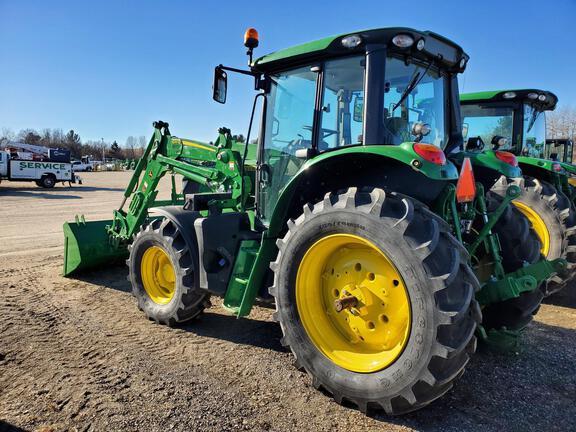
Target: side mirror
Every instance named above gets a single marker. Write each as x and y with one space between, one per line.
475 143
499 141
465 129
358 108
220 85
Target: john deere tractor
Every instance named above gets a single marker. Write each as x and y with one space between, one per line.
346 215
514 121
559 149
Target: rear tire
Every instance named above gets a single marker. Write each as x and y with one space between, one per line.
557 215
168 295
435 274
520 245
47 181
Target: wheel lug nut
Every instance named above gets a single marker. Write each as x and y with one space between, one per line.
345 303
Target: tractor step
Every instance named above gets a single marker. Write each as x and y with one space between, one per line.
245 259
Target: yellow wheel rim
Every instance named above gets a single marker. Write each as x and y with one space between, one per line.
373 326
572 181
538 225
158 276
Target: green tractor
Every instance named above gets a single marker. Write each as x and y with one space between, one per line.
346 215
514 121
559 149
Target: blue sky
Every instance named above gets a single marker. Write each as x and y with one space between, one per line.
109 68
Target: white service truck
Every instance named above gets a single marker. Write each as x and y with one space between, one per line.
86 164
44 173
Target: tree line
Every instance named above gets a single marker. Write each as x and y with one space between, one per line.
561 123
133 148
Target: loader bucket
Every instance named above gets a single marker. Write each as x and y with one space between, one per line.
87 246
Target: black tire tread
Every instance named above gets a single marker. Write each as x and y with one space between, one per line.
520 245
192 301
445 261
536 190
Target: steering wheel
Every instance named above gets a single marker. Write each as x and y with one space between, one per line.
325 132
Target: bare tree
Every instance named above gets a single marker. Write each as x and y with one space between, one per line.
561 123
131 144
142 142
29 136
6 136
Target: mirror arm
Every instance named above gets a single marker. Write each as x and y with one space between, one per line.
240 71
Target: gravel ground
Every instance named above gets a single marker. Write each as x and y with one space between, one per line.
76 354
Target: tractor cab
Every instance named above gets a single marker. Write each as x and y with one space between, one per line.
559 149
348 93
512 120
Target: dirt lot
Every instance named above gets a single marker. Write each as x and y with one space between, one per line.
76 354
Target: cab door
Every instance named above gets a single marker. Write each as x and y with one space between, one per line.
288 126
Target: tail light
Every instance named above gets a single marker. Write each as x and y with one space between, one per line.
556 167
431 153
507 157
466 186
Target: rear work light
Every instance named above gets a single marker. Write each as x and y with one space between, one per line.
507 157
431 153
466 186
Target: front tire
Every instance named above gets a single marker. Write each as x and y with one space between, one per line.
385 244
162 271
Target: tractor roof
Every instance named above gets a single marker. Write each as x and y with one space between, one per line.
558 141
523 95
435 47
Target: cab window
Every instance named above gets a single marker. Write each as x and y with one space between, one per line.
342 103
289 120
488 122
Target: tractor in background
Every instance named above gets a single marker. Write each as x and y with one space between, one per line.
514 121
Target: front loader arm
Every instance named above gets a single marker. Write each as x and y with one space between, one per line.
215 166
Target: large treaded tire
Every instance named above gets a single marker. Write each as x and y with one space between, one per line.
440 285
559 216
520 245
188 301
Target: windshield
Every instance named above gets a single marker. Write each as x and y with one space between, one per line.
534 133
487 122
423 104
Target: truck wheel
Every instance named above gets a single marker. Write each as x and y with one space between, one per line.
520 245
47 181
376 300
552 218
163 274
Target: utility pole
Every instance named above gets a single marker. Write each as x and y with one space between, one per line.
103 152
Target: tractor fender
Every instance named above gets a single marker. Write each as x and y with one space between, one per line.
213 241
487 167
184 221
487 159
396 168
541 168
